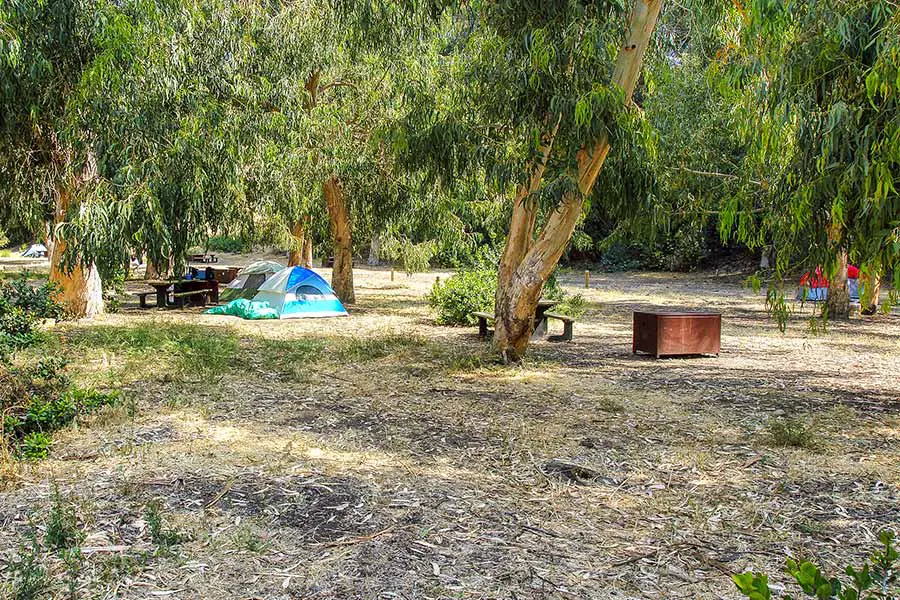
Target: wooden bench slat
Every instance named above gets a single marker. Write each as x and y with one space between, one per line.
568 324
484 315
563 318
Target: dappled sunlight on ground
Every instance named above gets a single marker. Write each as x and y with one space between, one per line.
382 456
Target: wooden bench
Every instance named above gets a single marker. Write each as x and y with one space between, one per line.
483 319
201 296
204 258
142 297
568 325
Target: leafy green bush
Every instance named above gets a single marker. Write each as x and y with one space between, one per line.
35 446
37 300
473 290
574 306
225 243
457 297
876 580
22 307
37 399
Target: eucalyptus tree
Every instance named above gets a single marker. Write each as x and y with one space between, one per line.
589 79
819 88
188 131
47 50
535 95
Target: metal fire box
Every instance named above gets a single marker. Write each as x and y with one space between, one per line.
676 333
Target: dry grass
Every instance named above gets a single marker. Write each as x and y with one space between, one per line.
384 457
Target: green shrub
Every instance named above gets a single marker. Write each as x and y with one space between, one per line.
574 306
876 580
63 532
791 432
18 327
457 297
37 399
37 300
25 576
225 243
22 307
35 446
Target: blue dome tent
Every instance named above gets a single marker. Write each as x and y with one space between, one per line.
297 293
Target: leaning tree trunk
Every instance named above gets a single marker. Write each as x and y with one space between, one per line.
838 303
295 258
80 288
339 215
528 262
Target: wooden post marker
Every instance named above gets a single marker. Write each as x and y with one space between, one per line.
392 272
587 280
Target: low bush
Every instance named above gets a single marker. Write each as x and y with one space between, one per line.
37 399
792 432
878 579
225 243
574 306
457 297
22 308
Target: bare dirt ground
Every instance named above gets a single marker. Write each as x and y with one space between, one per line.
382 456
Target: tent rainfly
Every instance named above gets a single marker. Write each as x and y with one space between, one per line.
296 293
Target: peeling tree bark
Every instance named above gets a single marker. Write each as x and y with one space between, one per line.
871 293
527 263
80 288
339 215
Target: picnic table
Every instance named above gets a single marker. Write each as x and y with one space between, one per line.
181 289
204 258
541 317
